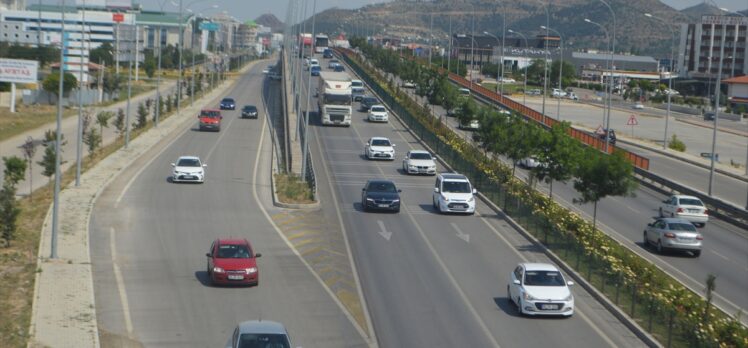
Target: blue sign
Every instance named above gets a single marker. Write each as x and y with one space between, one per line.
209 26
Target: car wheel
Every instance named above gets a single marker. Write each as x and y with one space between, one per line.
660 248
433 202
696 253
645 239
661 214
519 307
363 206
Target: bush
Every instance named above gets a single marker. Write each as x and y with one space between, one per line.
291 189
676 144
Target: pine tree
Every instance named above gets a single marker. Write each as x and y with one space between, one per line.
119 122
142 120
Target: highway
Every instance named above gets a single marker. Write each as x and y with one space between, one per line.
435 280
725 253
149 238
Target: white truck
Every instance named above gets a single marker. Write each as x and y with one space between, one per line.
334 98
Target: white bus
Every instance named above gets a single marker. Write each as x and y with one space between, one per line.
321 43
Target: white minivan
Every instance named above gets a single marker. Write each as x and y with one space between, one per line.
453 193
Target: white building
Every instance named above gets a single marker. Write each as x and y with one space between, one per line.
700 44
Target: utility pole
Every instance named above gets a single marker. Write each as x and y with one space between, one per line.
79 142
58 140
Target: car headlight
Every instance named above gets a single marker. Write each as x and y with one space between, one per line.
251 270
396 201
218 270
527 296
472 199
569 298
412 166
369 199
445 198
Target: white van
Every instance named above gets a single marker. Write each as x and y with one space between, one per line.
453 193
464 92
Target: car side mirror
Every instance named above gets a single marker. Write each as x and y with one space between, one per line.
436 189
363 189
205 165
399 190
208 255
258 255
650 224
367 144
475 191
173 165
393 145
570 283
516 282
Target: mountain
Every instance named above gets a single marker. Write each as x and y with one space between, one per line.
695 12
271 21
411 19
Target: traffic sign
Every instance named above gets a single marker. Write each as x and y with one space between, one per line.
632 121
118 17
600 130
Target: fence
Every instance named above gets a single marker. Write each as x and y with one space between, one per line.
671 327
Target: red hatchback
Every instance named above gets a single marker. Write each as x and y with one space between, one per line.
232 261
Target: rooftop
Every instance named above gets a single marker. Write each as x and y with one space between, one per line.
738 80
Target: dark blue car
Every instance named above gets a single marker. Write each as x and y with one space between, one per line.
228 104
327 53
338 67
314 70
380 195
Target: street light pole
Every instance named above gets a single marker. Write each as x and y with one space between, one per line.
306 113
602 75
670 78
545 55
58 139
612 79
181 46
717 92
560 71
497 66
79 142
472 48
524 88
503 34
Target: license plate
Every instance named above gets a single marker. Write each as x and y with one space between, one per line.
383 205
236 277
549 306
693 210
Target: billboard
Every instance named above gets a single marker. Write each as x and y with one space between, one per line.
18 70
209 26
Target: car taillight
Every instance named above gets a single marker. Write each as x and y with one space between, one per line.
669 235
699 237
680 210
706 212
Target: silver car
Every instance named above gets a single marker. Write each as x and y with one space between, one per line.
259 334
673 234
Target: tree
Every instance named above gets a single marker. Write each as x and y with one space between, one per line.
52 83
8 212
519 140
112 82
142 120
168 103
29 150
102 119
599 175
569 74
103 54
149 65
48 162
536 71
15 169
558 154
119 122
92 139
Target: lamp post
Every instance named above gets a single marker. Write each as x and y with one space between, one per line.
79 142
606 119
545 55
670 78
560 70
58 136
306 114
524 88
612 69
431 36
181 47
472 47
717 92
503 35
449 54
158 77
498 73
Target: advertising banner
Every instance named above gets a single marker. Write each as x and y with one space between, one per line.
18 70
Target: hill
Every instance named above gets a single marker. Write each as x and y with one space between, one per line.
271 21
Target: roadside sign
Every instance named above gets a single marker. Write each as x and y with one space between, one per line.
18 70
118 17
600 130
209 26
632 121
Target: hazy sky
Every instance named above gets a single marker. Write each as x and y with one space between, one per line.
251 9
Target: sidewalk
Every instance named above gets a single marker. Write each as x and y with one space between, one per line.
64 312
11 146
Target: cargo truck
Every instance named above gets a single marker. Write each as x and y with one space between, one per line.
334 98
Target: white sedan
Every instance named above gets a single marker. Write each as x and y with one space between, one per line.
419 162
540 289
685 207
188 169
529 163
378 113
379 148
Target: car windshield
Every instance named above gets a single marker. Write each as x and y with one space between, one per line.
333 61
378 109
233 251
228 100
357 83
690 201
420 156
207 113
250 108
380 142
337 99
188 162
263 341
681 226
381 186
544 278
456 186
359 90
370 100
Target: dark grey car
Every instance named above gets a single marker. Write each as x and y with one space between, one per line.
367 101
380 195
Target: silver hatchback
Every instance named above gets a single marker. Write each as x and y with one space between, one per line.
259 334
673 233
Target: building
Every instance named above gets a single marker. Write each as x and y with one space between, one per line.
487 49
595 66
12 4
700 45
737 92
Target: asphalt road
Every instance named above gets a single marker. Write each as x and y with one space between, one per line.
725 252
149 238
435 280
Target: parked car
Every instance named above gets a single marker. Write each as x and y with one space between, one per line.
409 84
557 93
469 125
367 101
232 261
453 193
507 80
188 169
209 119
534 92
529 163
540 289
227 104
259 334
380 195
249 111
673 234
685 207
638 106
379 148
611 133
572 96
419 162
378 113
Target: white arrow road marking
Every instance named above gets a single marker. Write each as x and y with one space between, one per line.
462 235
384 233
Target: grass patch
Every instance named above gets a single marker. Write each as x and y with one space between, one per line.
510 88
28 117
291 189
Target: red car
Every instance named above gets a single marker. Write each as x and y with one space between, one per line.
232 261
210 119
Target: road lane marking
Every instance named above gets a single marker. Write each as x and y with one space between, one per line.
383 231
371 338
720 255
460 234
120 284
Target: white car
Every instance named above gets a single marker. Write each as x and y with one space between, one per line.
540 289
469 125
529 163
685 207
188 169
379 148
572 96
378 113
507 80
419 162
409 84
557 93
453 193
638 106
